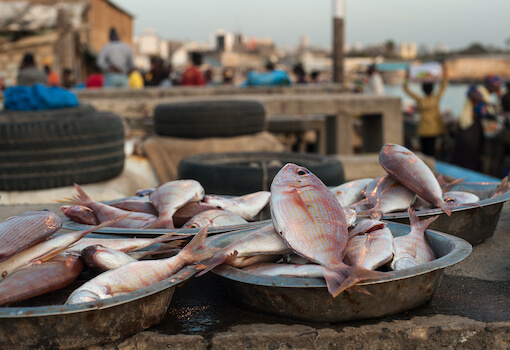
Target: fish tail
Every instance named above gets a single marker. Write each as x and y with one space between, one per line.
447 208
333 280
81 193
415 221
356 274
74 200
216 261
195 250
161 222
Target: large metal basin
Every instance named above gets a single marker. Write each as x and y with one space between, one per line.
474 223
308 299
29 326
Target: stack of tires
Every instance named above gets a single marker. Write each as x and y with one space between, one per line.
200 119
54 148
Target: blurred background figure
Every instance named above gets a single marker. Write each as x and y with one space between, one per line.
29 74
95 80
315 77
374 82
300 73
228 76
52 75
157 75
192 76
135 79
208 76
68 80
505 100
431 124
115 60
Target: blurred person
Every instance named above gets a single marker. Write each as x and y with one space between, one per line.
95 80
157 74
29 74
300 73
68 80
208 76
116 61
315 77
192 76
469 143
228 76
431 124
135 79
374 81
505 100
53 78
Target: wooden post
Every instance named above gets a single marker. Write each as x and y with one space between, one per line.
338 41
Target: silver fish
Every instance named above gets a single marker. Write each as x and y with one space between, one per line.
412 249
214 218
350 192
247 206
171 196
371 250
408 169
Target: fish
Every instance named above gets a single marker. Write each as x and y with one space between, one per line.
350 216
125 245
40 278
214 218
144 192
46 249
141 274
80 214
333 279
350 192
371 250
455 198
247 206
25 230
139 204
264 241
312 222
104 258
410 171
105 212
503 187
387 195
170 197
412 249
184 214
362 205
366 225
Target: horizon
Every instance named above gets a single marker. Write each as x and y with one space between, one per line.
451 23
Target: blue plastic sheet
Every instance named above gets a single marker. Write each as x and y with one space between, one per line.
38 97
277 77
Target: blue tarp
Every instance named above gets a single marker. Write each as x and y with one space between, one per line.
274 78
458 172
38 97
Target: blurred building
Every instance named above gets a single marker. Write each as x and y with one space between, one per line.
408 51
69 33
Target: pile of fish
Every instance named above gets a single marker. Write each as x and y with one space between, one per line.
175 204
409 182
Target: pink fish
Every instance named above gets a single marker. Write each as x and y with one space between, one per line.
171 196
214 218
140 204
247 206
185 213
312 222
106 213
412 249
408 169
80 214
371 250
25 230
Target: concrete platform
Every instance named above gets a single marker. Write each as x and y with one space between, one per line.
471 310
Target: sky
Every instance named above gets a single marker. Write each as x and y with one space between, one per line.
456 23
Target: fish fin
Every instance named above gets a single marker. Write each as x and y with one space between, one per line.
448 186
333 280
360 290
355 275
447 208
161 222
415 221
81 193
218 260
503 187
374 212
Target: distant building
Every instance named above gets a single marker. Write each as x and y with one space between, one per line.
408 51
68 33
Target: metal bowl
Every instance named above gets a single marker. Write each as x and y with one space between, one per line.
474 223
308 299
86 324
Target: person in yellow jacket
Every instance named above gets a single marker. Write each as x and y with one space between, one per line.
135 79
431 124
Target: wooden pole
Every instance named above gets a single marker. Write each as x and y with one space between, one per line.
338 40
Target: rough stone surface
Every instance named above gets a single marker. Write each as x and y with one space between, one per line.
153 340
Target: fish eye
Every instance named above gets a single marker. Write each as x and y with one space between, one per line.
193 226
302 172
